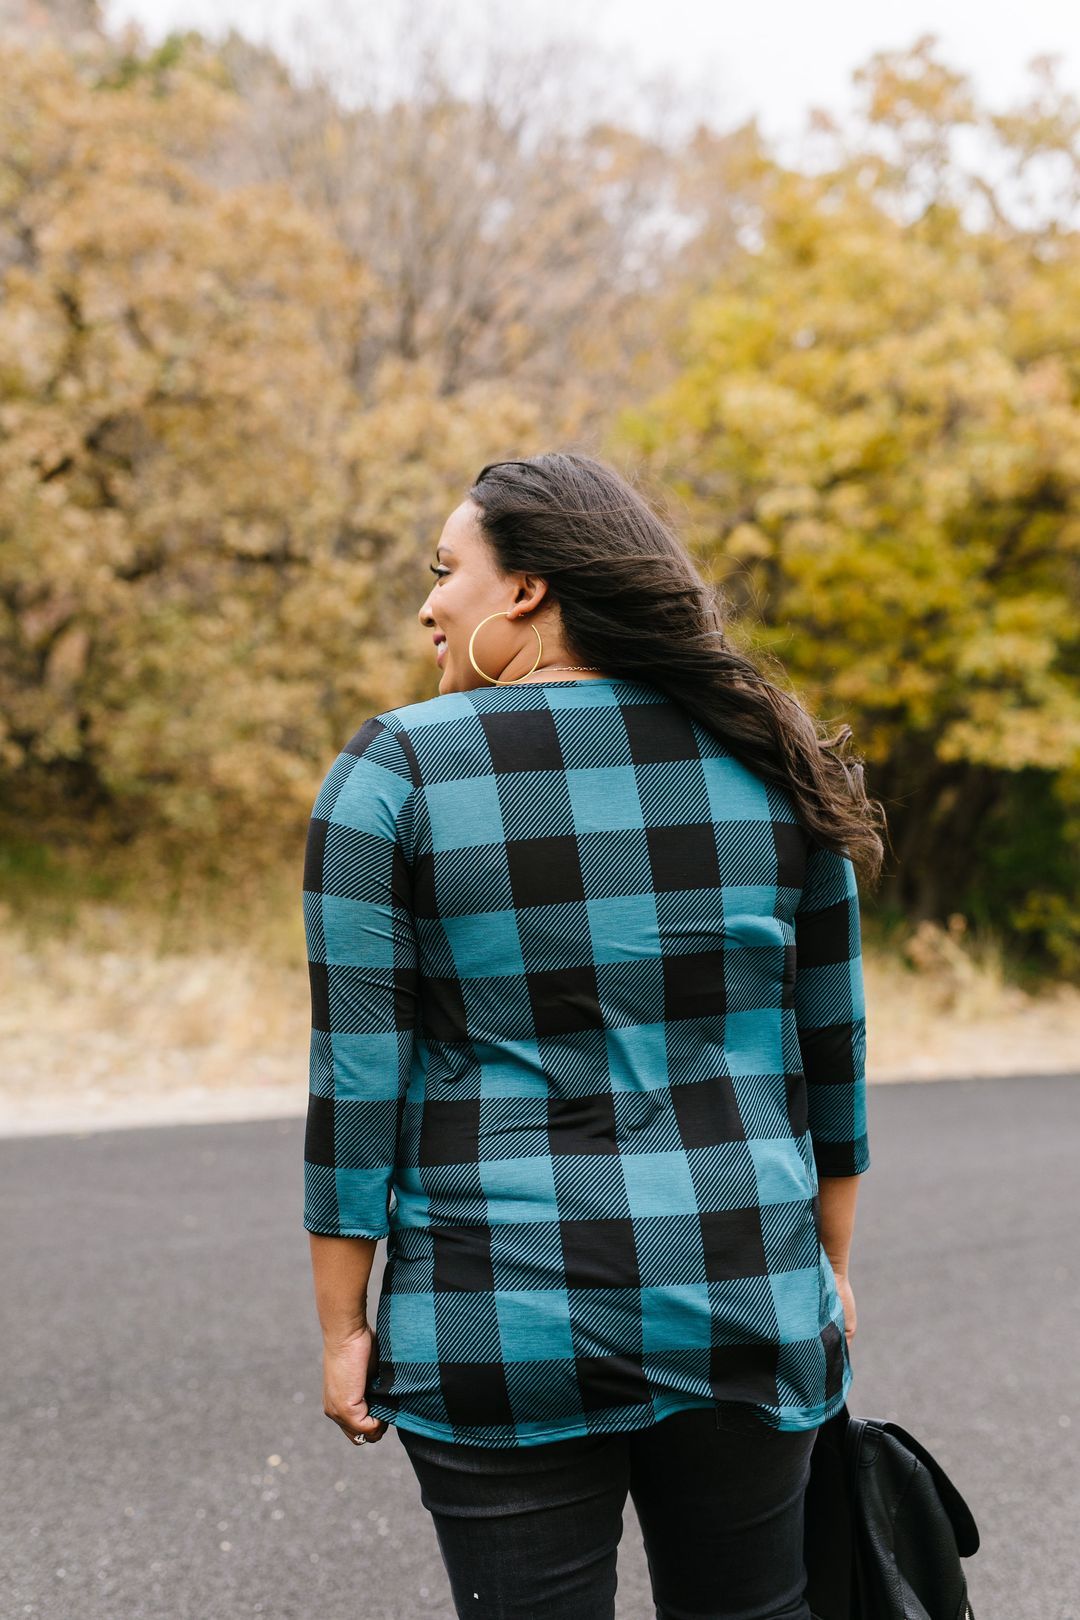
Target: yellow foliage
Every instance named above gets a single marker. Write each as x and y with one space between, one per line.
211 546
234 415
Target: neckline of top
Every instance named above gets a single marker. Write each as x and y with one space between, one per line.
598 680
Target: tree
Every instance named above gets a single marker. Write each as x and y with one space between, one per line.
876 433
209 545
512 229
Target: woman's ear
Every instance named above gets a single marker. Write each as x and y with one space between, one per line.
532 589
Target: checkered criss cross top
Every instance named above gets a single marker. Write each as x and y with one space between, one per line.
587 1025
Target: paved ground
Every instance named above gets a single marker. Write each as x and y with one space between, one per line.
164 1449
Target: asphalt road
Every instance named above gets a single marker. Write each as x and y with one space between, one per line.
164 1448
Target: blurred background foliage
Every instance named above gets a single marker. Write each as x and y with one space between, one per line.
256 339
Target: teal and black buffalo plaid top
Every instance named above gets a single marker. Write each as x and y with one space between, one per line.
587 1024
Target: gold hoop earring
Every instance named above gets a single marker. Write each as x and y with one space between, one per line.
495 680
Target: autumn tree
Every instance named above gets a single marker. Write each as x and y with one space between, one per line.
200 528
258 331
513 229
875 432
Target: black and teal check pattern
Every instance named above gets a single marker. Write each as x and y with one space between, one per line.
587 1025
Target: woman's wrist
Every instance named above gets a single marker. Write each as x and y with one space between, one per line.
338 1333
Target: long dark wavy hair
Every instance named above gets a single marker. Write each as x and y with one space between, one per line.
634 603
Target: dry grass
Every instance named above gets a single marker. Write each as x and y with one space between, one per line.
942 1005
124 1021
112 1019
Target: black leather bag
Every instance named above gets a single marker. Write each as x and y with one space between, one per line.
885 1527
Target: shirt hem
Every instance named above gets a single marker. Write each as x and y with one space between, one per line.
349 1231
812 1418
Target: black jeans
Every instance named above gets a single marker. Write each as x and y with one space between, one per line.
532 1532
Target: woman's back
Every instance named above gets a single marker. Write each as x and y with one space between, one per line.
587 1024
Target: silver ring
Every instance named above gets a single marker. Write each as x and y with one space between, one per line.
359 1439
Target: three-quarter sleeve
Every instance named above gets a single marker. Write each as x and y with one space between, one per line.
830 1012
362 963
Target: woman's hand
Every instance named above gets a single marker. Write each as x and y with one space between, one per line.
847 1299
345 1375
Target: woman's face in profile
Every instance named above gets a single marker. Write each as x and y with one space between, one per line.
468 587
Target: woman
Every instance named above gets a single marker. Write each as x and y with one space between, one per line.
588 1051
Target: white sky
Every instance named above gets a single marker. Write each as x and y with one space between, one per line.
775 58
